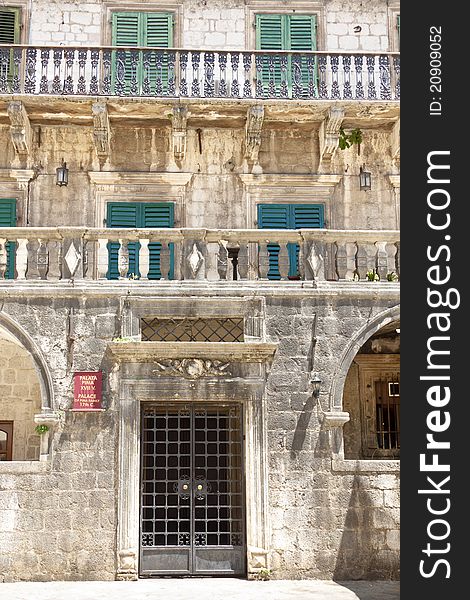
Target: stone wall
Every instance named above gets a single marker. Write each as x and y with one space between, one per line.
213 24
325 523
215 173
20 398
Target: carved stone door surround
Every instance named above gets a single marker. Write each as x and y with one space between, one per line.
189 371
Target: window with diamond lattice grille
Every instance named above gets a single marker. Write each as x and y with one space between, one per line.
192 330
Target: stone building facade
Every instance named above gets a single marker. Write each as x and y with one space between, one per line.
218 257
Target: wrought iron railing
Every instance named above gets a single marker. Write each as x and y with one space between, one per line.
64 253
180 73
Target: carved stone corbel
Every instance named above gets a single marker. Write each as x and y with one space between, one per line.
179 131
329 134
395 142
254 125
20 128
101 129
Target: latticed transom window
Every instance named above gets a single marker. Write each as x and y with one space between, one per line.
192 330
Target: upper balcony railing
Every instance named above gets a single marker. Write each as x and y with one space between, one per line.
65 253
180 73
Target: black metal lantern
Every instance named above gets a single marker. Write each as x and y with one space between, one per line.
315 382
62 174
364 179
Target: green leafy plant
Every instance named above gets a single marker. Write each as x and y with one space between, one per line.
372 275
346 140
133 276
41 429
263 575
123 340
392 276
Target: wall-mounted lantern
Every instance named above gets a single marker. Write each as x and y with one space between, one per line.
364 179
62 174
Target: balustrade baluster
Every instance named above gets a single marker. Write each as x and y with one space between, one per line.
144 259
195 61
95 58
323 92
358 62
165 260
396 65
209 59
43 260
171 92
68 80
16 71
242 261
3 257
283 260
102 258
263 260
106 88
235 61
159 74
223 88
284 89
57 60
4 68
371 91
382 260
385 86
183 74
347 89
30 71
312 76
33 271
120 73
54 271
123 259
43 85
223 262
21 259
134 87
247 91
334 64
82 58
297 84
391 251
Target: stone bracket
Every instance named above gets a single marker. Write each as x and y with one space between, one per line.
20 128
101 128
254 125
395 141
51 419
329 134
332 419
179 131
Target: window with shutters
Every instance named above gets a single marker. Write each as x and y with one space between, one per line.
288 32
142 215
144 72
288 216
10 23
8 219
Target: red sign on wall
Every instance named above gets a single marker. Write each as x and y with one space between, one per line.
87 386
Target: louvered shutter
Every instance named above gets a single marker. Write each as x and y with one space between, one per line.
158 215
288 216
126 31
273 216
8 219
121 215
158 33
301 34
270 36
9 25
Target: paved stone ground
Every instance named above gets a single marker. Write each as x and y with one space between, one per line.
209 589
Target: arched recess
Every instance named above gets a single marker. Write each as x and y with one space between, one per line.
339 378
16 333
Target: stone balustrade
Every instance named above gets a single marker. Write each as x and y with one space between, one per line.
65 253
180 73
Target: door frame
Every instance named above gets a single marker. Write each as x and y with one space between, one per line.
134 380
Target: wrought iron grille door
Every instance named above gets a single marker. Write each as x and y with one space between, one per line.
192 499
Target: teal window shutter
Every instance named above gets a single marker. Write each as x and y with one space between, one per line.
285 32
8 219
158 215
142 215
288 216
143 29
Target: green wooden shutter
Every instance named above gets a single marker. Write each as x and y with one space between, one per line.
158 33
288 216
120 215
132 214
8 219
9 25
126 31
301 33
158 215
270 35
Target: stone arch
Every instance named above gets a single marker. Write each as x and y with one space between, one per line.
18 335
371 327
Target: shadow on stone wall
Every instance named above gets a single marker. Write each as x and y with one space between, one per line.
364 551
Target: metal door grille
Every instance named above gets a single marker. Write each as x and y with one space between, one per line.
387 412
192 330
192 508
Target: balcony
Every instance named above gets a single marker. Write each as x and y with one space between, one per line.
162 73
52 254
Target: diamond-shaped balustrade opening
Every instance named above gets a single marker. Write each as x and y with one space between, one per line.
192 330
